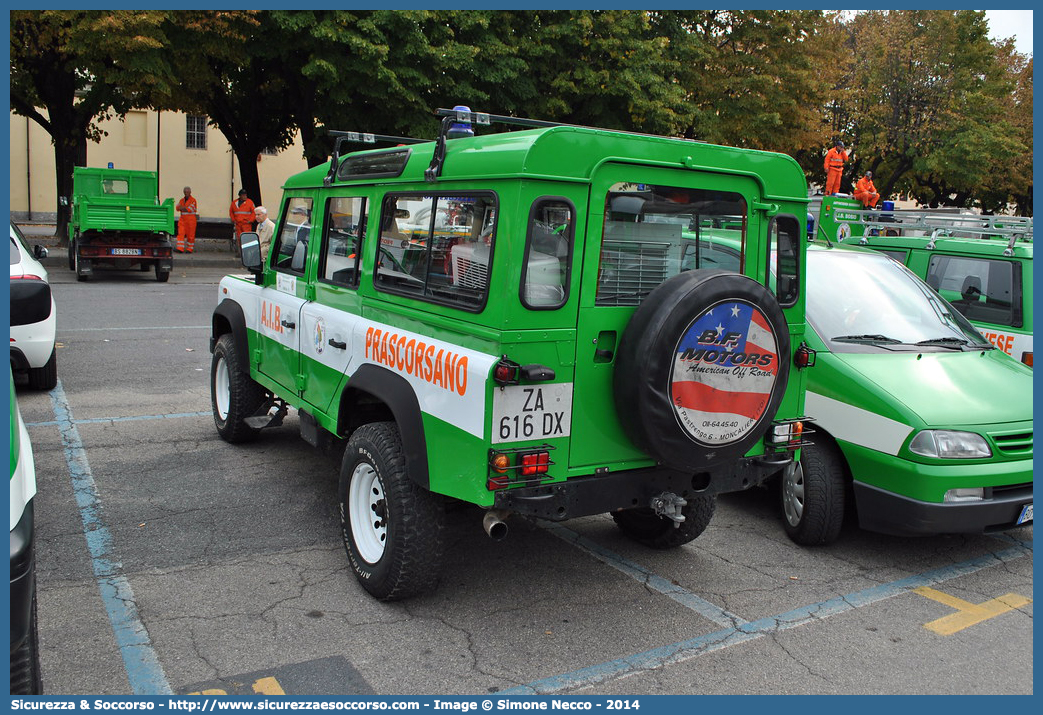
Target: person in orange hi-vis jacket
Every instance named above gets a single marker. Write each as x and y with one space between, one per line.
866 192
242 213
834 166
188 207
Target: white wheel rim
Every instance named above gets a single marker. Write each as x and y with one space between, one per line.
367 511
222 389
793 495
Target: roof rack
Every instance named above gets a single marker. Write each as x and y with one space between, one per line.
360 138
942 225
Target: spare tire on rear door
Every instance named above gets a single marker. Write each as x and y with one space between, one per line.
701 369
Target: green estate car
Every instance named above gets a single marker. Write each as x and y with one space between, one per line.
923 420
25 651
982 265
533 322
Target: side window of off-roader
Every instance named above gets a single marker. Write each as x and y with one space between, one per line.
783 262
291 248
344 227
653 232
983 289
437 248
548 254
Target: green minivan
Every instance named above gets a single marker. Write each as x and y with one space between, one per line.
918 417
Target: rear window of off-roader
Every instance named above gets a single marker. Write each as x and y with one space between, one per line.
653 232
437 248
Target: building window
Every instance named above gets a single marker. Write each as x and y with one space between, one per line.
195 131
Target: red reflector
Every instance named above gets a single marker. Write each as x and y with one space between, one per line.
495 483
502 373
1027 358
535 463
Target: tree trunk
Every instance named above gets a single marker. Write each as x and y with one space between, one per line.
250 178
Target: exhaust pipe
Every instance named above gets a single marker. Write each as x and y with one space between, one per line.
494 524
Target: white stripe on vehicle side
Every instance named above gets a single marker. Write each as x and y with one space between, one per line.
466 411
855 425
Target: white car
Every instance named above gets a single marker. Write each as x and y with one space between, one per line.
32 315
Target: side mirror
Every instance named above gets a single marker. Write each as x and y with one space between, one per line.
250 250
39 252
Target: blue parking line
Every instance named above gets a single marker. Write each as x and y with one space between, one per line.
719 640
134 418
144 671
642 575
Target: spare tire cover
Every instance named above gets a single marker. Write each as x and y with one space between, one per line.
701 369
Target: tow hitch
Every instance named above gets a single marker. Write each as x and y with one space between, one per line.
669 505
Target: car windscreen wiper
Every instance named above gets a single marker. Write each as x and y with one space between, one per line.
871 339
946 342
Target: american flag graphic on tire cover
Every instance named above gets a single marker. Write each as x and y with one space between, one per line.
725 367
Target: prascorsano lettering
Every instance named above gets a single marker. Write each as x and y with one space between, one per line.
430 363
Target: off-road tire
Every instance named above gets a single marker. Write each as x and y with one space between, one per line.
234 395
46 377
646 527
644 377
812 497
25 660
397 551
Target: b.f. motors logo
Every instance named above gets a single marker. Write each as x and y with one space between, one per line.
724 371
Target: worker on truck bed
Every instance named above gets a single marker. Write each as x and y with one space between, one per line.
834 166
188 207
242 213
866 192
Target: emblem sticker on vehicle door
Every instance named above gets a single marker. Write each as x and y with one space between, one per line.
724 371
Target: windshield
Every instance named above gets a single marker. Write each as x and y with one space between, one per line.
866 301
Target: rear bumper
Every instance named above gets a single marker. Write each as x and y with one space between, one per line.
890 513
601 493
22 582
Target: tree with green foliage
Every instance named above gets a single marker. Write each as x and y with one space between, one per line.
71 70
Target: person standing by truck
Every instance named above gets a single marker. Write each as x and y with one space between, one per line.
265 230
865 191
242 213
834 166
188 208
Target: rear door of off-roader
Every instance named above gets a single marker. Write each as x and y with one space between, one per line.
645 225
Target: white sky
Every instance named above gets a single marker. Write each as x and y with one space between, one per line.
1012 23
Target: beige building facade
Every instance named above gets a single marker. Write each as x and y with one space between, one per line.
181 148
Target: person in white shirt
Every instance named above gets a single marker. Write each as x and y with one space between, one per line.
265 230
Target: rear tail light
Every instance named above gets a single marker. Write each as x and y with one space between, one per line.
1026 358
26 277
514 467
789 435
535 463
805 356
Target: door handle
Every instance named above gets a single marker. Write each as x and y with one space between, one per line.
338 344
288 324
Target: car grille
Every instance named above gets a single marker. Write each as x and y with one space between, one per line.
1013 444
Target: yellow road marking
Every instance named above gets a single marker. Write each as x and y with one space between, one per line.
967 613
268 686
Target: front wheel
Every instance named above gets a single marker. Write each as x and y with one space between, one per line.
812 495
234 395
646 527
394 530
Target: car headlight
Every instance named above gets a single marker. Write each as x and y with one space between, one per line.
946 444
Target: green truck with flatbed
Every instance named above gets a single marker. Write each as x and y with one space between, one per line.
118 221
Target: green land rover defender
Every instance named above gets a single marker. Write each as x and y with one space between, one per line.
531 321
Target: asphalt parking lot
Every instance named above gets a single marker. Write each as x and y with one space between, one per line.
172 562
